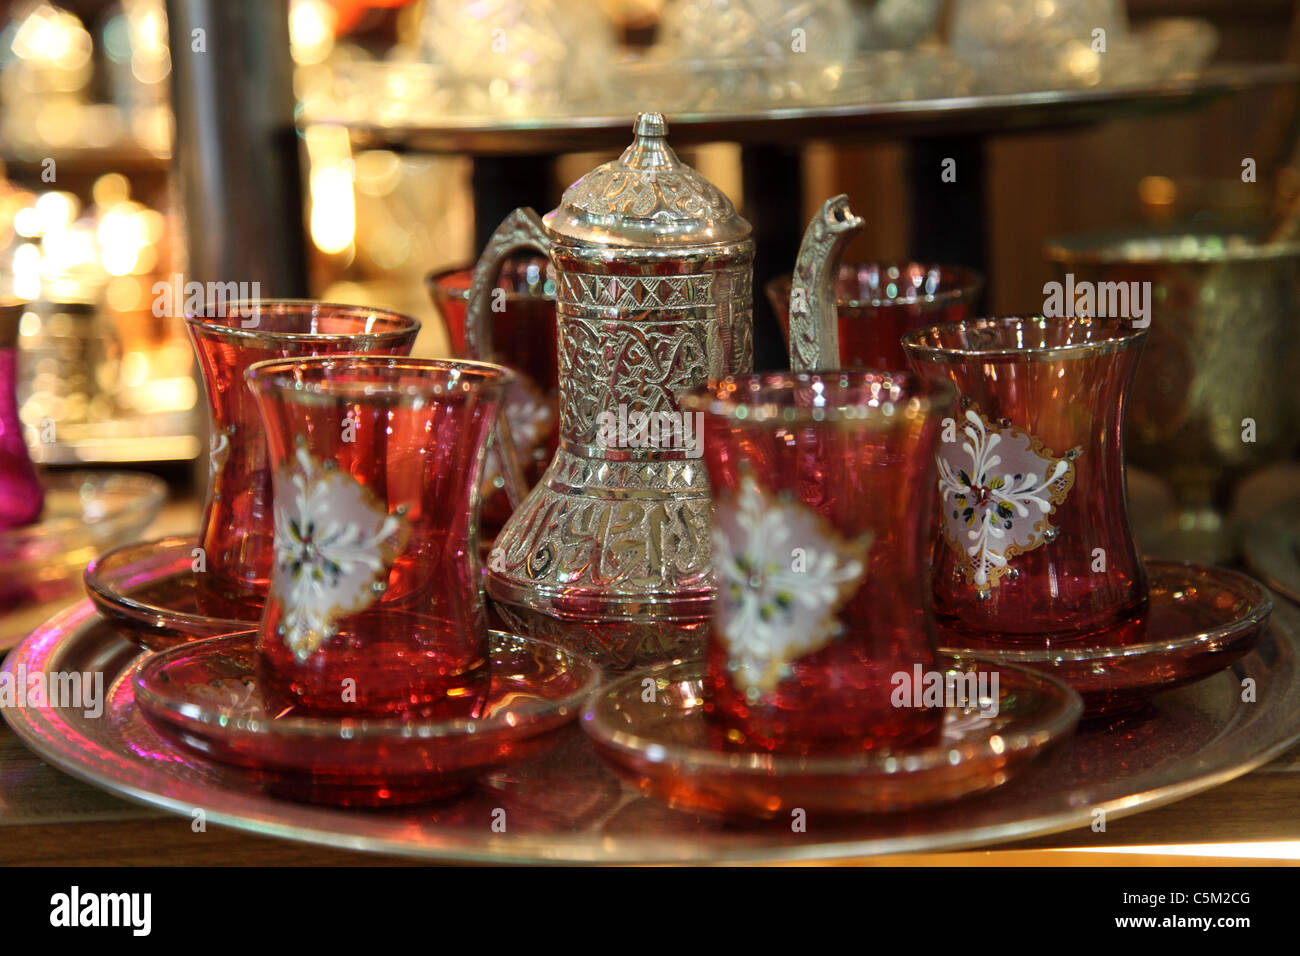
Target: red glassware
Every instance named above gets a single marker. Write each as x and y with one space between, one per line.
148 591
524 336
821 537
376 602
208 696
1197 622
666 747
878 302
236 529
21 494
1034 543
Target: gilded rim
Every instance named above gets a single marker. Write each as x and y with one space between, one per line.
919 398
438 377
916 346
405 327
435 283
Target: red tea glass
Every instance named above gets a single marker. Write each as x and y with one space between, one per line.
523 339
236 532
21 495
821 485
1034 543
376 602
878 302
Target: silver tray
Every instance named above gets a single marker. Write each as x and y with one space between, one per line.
566 806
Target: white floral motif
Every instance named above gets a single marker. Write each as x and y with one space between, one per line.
334 546
782 575
995 504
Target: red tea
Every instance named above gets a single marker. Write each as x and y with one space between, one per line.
236 529
375 603
821 486
1034 541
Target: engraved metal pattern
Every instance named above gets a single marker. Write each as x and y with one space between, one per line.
738 319
814 319
617 646
611 550
589 535
673 193
667 339
646 199
603 291
619 539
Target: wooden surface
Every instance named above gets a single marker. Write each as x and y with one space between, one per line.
48 818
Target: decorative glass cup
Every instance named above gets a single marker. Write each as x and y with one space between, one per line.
822 485
1222 351
879 301
21 494
235 532
376 594
523 340
1034 542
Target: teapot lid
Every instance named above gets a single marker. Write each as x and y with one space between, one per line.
647 198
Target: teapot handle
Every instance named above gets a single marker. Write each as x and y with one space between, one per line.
522 229
814 316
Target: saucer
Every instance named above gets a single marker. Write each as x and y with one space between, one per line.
85 512
664 747
1198 621
205 696
147 591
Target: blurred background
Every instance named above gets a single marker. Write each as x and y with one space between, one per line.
346 149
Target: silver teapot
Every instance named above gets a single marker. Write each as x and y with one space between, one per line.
610 553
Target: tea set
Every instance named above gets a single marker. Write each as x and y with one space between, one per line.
861 590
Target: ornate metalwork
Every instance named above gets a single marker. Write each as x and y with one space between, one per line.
610 553
522 229
814 320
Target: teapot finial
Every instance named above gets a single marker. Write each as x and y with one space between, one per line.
650 124
814 317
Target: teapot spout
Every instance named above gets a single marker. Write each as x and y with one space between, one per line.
814 322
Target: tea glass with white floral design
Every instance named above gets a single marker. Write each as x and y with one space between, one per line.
821 529
376 603
235 533
1034 543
